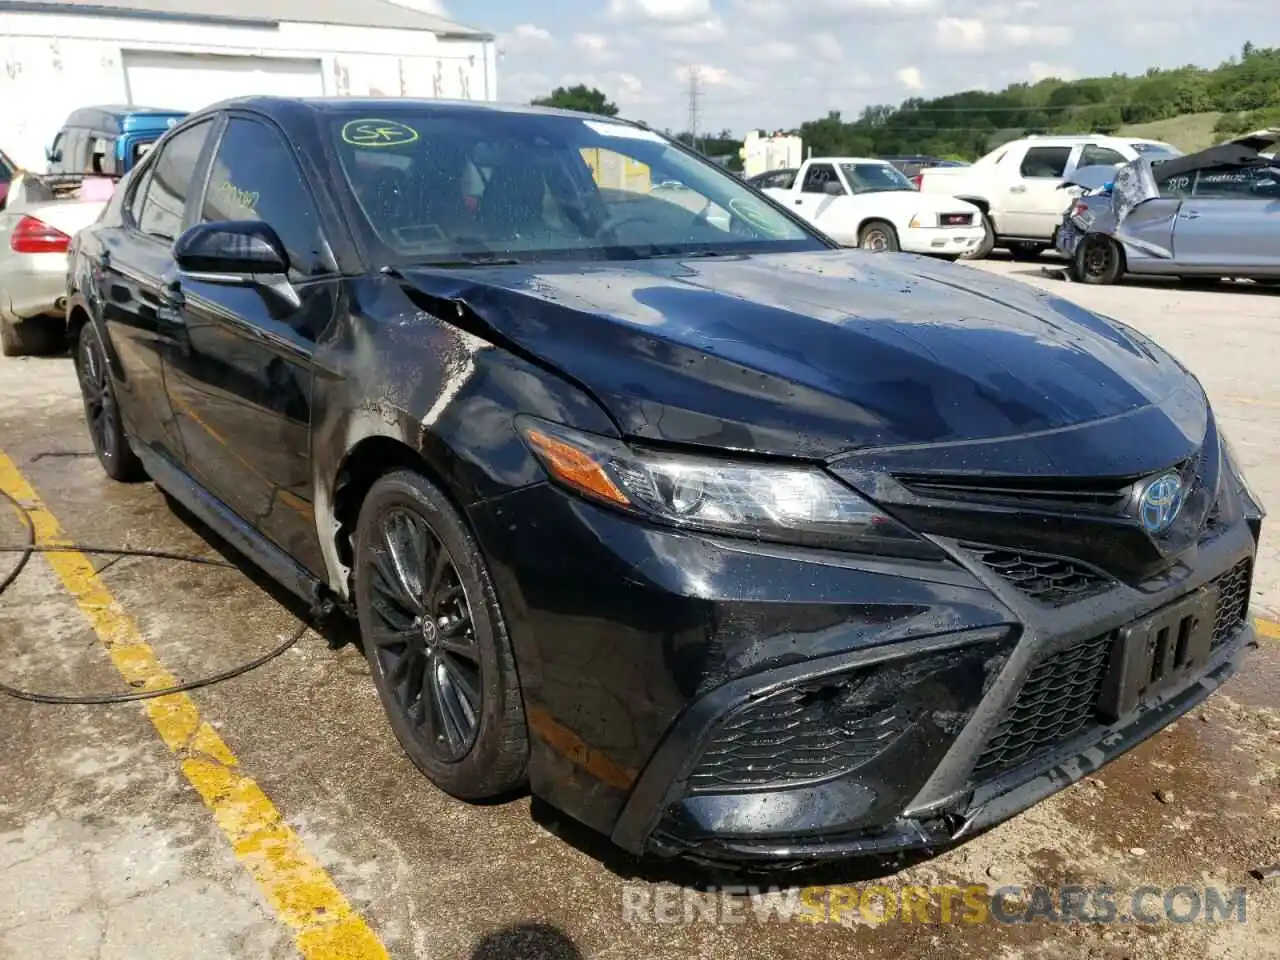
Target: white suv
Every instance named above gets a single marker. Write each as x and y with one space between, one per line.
1016 185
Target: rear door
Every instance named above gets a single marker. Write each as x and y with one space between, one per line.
138 307
241 387
1228 223
1034 205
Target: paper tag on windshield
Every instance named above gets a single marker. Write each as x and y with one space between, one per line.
623 130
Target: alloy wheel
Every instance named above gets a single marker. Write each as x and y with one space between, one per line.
423 634
100 409
1098 260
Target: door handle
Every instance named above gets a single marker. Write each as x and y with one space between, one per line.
1189 215
1018 189
799 202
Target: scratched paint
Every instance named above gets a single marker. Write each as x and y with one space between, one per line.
305 899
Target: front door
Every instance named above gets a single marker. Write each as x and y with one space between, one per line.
241 388
1228 223
136 304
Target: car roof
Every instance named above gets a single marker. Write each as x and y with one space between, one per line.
292 106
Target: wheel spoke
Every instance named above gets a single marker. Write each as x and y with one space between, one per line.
456 714
402 541
409 674
394 637
466 680
439 564
461 643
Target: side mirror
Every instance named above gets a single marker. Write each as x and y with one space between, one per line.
833 188
236 253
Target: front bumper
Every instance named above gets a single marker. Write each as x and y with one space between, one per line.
941 241
664 673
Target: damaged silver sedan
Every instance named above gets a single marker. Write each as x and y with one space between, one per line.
1206 216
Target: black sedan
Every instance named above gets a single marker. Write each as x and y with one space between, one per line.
728 542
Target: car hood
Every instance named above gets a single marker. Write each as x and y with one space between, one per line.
909 202
812 354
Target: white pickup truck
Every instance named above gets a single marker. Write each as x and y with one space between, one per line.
1016 186
867 203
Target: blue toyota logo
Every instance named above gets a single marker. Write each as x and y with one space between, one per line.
1160 502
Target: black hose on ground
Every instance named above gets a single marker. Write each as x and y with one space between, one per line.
29 549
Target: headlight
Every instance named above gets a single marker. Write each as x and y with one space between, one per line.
1233 468
923 220
762 501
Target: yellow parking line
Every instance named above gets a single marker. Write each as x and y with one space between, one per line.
1268 628
304 897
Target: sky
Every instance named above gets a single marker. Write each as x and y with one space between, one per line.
776 63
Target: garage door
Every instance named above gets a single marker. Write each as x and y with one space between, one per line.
182 81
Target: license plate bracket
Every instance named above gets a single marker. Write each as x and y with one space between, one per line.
1158 652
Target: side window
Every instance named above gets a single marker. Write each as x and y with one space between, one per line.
1047 162
57 148
1095 155
817 177
255 177
1175 187
170 182
142 179
1225 183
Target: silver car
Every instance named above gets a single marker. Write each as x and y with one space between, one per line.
1207 215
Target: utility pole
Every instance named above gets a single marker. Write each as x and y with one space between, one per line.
695 93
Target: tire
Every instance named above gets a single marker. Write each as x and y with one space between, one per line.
35 336
102 411
879 236
1027 251
985 245
481 751
1098 260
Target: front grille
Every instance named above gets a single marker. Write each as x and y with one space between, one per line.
1050 580
798 735
1233 602
1055 704
1050 494
1058 699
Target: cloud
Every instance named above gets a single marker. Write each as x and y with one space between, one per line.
1046 35
910 78
711 30
526 38
1038 70
956 33
661 11
594 46
825 46
774 51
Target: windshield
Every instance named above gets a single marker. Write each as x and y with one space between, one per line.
6 168
874 177
1156 149
442 184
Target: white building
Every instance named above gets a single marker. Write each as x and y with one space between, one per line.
761 153
59 55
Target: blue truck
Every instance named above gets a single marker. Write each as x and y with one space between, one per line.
108 140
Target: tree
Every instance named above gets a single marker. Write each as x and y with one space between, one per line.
581 98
